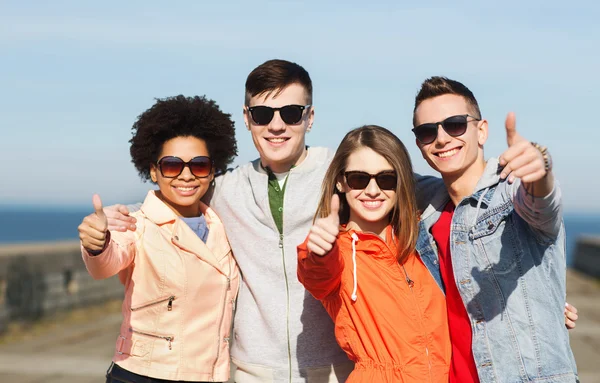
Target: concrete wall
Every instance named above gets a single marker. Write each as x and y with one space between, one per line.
587 255
40 279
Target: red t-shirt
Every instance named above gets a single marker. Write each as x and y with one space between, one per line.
462 366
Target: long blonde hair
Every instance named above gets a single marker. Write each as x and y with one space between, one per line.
404 215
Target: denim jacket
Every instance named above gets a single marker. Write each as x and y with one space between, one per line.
508 255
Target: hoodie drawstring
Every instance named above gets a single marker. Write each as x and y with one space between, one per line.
354 240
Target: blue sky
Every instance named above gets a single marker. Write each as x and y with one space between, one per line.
75 76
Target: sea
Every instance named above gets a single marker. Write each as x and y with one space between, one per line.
29 225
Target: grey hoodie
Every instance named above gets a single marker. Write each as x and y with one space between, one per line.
278 327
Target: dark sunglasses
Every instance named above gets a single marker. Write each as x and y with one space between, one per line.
454 125
358 180
290 114
171 167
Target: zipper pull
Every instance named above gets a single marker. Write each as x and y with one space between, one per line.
170 304
169 339
410 282
281 241
228 283
226 339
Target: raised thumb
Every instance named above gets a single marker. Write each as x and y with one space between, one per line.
97 202
335 207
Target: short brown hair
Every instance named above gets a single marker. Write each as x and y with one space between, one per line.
273 76
439 86
403 217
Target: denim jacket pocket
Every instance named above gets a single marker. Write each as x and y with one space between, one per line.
495 237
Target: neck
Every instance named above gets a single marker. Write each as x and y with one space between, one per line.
181 211
461 185
378 228
284 166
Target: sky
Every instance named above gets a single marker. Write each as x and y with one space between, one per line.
75 75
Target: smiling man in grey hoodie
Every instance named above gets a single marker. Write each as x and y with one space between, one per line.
281 333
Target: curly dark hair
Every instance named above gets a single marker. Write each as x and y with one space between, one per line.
181 116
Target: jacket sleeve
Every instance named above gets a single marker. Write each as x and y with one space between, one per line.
321 276
116 256
543 214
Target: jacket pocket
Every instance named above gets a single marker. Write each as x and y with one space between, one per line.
167 338
131 347
167 301
495 237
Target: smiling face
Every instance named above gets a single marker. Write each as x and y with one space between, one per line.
452 156
280 145
369 207
183 192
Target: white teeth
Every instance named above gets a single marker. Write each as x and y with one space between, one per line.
372 203
449 153
276 140
185 189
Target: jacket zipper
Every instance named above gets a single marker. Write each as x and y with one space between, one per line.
165 337
228 287
169 305
287 309
410 284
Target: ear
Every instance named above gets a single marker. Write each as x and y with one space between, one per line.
246 116
482 132
153 173
311 118
341 186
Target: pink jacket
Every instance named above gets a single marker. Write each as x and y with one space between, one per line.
179 295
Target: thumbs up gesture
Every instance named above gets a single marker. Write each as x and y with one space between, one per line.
324 232
521 159
93 228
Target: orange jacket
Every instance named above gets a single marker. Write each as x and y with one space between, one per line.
396 327
179 295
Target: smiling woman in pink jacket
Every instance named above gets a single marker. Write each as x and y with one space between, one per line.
180 277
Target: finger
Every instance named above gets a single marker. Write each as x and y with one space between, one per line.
571 316
97 202
334 216
315 249
533 177
327 234
123 209
505 171
320 243
119 212
511 128
93 244
570 324
92 230
525 169
570 307
522 159
513 151
117 221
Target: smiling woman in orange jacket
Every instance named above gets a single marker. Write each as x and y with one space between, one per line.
389 313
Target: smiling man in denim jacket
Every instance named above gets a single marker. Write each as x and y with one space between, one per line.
497 232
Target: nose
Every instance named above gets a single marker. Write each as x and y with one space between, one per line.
186 174
276 123
372 188
442 137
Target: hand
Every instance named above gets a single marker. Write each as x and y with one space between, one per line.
324 232
119 219
521 159
93 229
570 316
